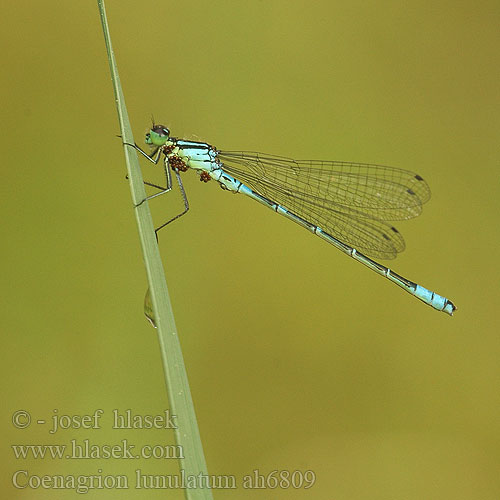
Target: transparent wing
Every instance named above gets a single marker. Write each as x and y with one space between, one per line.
351 201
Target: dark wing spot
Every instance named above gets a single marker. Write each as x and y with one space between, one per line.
419 178
409 191
394 229
385 236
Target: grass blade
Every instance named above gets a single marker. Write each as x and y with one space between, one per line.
187 434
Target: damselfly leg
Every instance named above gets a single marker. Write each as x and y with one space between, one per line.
155 158
184 198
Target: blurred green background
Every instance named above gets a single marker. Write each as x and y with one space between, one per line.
298 357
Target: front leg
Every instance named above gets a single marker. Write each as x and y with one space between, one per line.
153 158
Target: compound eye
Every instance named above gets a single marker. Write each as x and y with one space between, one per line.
165 131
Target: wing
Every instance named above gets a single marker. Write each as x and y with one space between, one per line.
351 201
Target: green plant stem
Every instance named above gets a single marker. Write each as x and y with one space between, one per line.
187 434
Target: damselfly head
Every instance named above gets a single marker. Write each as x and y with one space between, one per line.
158 135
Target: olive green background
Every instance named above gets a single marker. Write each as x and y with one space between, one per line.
298 357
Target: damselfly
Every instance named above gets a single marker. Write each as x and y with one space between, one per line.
347 204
